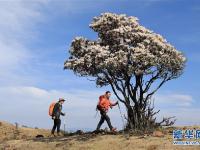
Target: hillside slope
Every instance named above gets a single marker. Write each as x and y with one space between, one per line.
25 139
9 132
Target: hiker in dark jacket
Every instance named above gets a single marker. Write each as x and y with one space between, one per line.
57 111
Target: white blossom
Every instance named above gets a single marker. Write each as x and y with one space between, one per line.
123 45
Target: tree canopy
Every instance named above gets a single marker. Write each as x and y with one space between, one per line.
123 47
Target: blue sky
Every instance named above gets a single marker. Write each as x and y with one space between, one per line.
35 36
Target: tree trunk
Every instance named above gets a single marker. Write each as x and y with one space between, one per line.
142 119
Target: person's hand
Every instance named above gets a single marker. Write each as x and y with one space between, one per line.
97 108
53 117
104 109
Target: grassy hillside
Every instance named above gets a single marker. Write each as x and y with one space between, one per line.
10 132
24 139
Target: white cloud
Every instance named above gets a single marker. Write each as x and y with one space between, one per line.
18 18
177 100
184 116
29 106
182 106
18 27
12 54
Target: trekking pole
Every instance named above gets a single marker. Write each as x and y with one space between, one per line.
96 114
126 136
65 124
121 116
64 128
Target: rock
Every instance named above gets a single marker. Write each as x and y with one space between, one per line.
39 136
106 129
152 147
80 132
185 128
158 134
24 137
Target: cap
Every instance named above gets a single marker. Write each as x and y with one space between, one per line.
61 99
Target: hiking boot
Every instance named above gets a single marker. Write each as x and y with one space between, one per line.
114 130
97 131
59 134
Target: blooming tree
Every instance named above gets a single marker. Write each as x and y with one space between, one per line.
130 58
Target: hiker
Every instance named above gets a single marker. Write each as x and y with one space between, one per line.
103 106
57 111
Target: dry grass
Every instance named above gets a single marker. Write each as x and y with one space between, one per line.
84 142
10 132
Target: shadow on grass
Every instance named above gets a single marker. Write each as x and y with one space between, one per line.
77 136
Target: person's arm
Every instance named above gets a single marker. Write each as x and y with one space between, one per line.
113 104
63 114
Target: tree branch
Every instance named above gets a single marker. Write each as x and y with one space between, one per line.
113 88
150 94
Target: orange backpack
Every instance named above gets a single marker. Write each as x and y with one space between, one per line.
51 108
98 107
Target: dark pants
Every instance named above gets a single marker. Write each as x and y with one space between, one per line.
57 123
104 117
